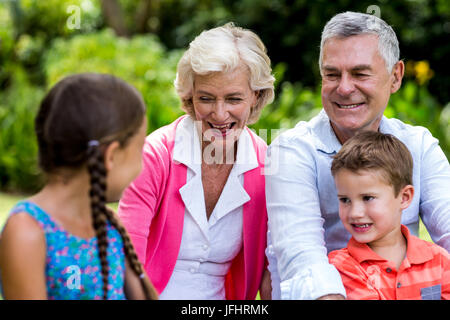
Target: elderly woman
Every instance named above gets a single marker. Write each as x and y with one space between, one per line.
196 214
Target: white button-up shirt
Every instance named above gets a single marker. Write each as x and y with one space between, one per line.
208 246
303 207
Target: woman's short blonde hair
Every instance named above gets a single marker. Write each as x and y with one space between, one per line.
223 49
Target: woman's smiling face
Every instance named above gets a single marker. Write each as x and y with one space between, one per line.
222 102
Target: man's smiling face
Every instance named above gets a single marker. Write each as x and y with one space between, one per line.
356 85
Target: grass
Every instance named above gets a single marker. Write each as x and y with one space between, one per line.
6 203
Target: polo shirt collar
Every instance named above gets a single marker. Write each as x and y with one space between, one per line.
417 251
328 141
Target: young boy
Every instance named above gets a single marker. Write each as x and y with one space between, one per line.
383 261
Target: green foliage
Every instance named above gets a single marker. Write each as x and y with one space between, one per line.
141 60
415 105
291 30
18 149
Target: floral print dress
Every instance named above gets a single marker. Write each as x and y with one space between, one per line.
73 269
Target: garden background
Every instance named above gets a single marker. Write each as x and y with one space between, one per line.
142 40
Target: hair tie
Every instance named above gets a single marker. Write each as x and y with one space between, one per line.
93 143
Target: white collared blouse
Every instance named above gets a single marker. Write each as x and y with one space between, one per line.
208 246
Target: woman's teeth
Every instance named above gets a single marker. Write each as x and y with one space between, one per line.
225 126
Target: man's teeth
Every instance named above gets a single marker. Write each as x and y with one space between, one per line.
350 106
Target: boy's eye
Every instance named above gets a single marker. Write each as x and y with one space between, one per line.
344 200
368 198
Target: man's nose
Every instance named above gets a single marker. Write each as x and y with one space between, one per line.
346 86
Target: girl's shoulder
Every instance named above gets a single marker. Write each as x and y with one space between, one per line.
29 211
24 225
22 237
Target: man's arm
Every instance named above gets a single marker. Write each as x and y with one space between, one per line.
434 193
296 223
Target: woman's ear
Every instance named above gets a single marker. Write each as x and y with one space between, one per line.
110 154
407 194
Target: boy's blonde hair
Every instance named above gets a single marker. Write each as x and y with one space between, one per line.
370 150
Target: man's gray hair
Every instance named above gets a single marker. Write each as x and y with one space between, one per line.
349 24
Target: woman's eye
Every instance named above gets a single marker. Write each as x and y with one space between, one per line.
205 99
234 100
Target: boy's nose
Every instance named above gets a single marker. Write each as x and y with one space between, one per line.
357 211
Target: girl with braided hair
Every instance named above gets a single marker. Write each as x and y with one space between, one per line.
63 242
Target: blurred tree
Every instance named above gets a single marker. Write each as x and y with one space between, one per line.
113 15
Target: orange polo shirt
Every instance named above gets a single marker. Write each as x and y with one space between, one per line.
423 275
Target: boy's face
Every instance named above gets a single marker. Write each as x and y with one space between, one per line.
368 207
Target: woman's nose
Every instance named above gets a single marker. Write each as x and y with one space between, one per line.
220 111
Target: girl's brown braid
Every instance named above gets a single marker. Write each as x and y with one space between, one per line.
97 194
100 216
149 290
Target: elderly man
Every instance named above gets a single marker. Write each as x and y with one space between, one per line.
360 68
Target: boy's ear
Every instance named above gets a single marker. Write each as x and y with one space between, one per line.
110 153
407 194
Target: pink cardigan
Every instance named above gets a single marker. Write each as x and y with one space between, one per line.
152 211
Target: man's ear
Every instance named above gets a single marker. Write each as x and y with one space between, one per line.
407 194
110 154
397 73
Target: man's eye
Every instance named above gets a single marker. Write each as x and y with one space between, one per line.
205 99
234 100
360 75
